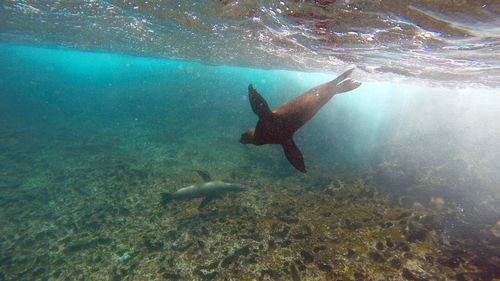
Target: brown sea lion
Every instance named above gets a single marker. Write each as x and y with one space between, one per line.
279 125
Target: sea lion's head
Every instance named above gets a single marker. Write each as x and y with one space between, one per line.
248 136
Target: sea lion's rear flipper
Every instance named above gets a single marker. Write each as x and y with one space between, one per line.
343 76
258 103
343 84
165 198
294 155
347 85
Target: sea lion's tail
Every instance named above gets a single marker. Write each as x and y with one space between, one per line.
165 198
347 85
343 84
343 76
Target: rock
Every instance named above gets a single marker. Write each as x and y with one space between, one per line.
308 258
207 275
271 273
271 245
232 258
376 257
415 232
171 276
153 246
83 245
306 232
294 273
450 262
281 234
319 248
324 267
288 219
395 262
408 275
388 242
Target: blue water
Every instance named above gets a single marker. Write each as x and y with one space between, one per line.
89 140
87 85
51 90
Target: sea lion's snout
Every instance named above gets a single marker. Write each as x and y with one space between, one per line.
247 136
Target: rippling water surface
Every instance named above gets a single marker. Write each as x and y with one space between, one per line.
453 42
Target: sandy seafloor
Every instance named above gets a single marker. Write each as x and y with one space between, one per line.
83 161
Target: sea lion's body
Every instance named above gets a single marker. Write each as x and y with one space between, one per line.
208 190
279 125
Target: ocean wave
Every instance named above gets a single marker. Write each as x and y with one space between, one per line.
438 42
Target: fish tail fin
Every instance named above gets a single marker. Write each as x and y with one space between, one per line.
165 198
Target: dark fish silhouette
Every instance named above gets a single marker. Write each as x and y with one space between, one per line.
279 125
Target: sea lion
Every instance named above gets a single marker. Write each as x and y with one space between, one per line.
209 190
279 125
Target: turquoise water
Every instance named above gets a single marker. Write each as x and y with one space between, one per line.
111 90
90 140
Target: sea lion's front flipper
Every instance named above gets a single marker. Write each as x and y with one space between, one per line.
203 174
258 103
207 200
294 155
